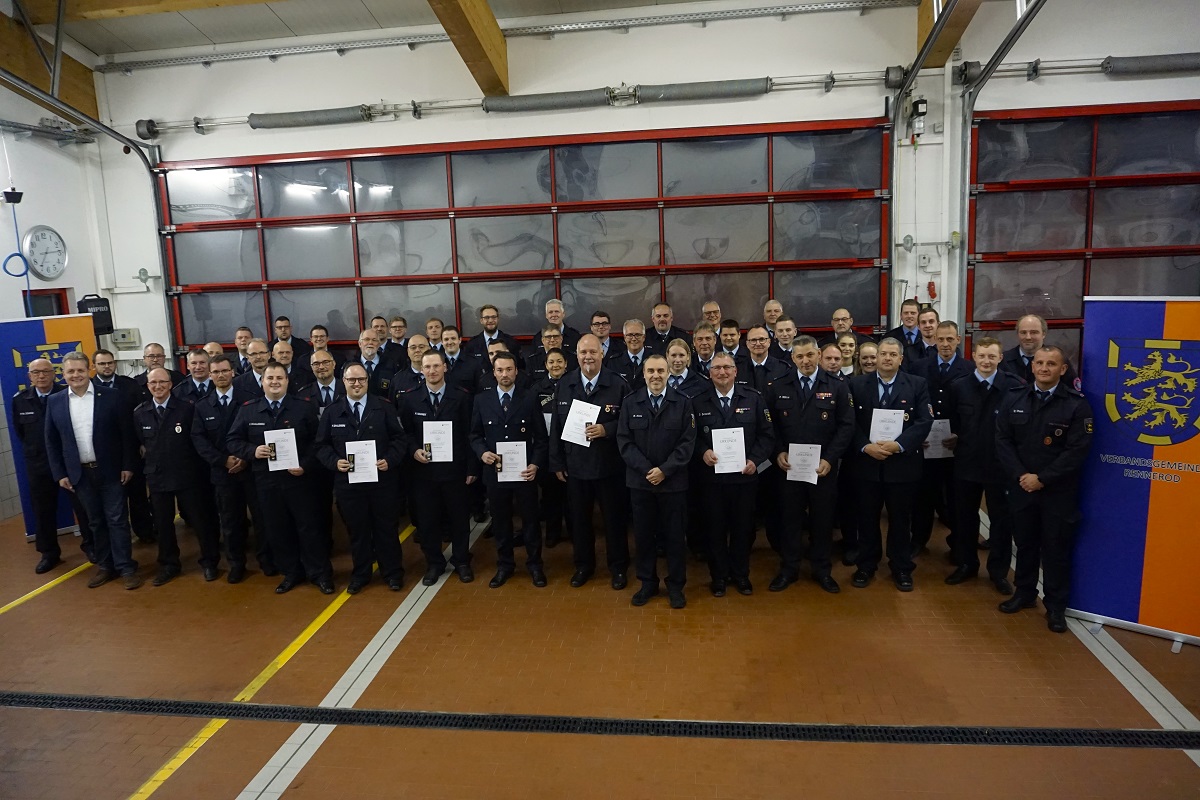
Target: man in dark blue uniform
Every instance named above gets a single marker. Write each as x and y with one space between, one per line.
704 341
535 355
154 356
410 377
229 475
477 348
510 413
555 317
809 406
141 520
628 362
1043 435
887 471
656 435
907 332
299 375
462 371
439 488
286 496
663 330
1031 335
554 493
728 497
196 384
175 474
301 349
370 510
974 401
250 381
379 370
593 472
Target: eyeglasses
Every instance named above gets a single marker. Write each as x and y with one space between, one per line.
41 372
354 380
842 319
720 367
635 336
601 324
325 363
489 318
155 355
758 340
256 353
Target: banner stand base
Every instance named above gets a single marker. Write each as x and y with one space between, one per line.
1179 639
73 530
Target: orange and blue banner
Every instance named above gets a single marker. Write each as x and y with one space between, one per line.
1138 543
22 341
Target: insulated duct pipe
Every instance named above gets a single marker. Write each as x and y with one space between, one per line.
304 119
549 101
1143 65
702 90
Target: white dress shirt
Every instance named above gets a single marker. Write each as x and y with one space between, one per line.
83 411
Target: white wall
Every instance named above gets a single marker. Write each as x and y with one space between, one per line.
927 198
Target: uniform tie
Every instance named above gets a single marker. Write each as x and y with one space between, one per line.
725 406
1042 396
886 399
912 337
673 382
107 384
504 398
274 406
245 365
805 388
370 365
328 396
225 401
357 411
637 362
450 363
436 399
943 369
655 401
162 411
588 388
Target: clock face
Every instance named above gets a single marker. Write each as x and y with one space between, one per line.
46 251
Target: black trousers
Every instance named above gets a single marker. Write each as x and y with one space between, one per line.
554 504
372 516
729 515
503 499
262 541
322 484
232 504
846 510
441 509
290 515
43 496
873 497
697 529
770 500
660 515
141 520
935 493
196 505
966 534
1044 534
814 503
614 505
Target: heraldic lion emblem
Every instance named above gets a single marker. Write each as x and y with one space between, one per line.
1151 389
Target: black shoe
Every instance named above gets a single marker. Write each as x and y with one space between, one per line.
744 586
432 574
1056 621
861 578
325 585
580 577
1003 585
237 573
643 595
465 573
164 575
481 516
677 599
46 564
781 582
1017 602
916 551
827 583
356 586
499 579
849 558
903 581
101 577
983 544
270 570
210 574
395 584
286 585
717 588
961 575
619 581
90 552
538 576
148 538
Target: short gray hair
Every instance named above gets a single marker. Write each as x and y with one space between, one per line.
76 355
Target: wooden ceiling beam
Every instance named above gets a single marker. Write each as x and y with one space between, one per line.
473 29
943 48
20 56
43 12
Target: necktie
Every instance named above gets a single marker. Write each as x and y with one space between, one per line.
805 388
725 406
107 384
274 406
984 387
225 401
704 367
357 411
504 398
912 337
245 365
451 364
162 411
943 369
655 400
674 382
886 399
637 362
588 388
328 396
42 398
436 398
1042 396
370 365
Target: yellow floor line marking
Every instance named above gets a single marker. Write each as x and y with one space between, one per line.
209 730
44 588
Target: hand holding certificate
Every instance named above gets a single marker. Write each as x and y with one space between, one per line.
803 462
287 456
581 415
729 446
936 440
886 425
439 441
512 461
361 456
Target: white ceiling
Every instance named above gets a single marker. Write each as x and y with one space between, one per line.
247 23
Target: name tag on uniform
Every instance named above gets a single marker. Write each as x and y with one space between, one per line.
258 424
338 425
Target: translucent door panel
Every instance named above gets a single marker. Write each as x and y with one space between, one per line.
520 304
399 184
1016 221
1149 144
309 252
626 297
828 229
741 295
1038 150
1050 289
714 166
215 316
404 247
505 244
616 171
598 239
301 190
210 195
715 235
501 177
414 303
1147 216
336 309
827 160
809 295
1169 276
217 257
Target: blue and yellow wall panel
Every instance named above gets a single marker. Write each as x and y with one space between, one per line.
1139 540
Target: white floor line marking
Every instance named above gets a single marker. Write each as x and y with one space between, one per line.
282 768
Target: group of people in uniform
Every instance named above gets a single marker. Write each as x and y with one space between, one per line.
694 438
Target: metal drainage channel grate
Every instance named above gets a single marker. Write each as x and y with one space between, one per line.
601 726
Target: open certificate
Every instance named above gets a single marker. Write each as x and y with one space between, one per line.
283 444
729 445
886 425
513 461
362 456
803 460
438 441
579 417
939 431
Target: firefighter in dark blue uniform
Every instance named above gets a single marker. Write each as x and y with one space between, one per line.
370 510
509 413
656 436
1018 360
809 406
197 383
554 492
886 472
727 507
974 401
761 371
285 496
1043 433
379 369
